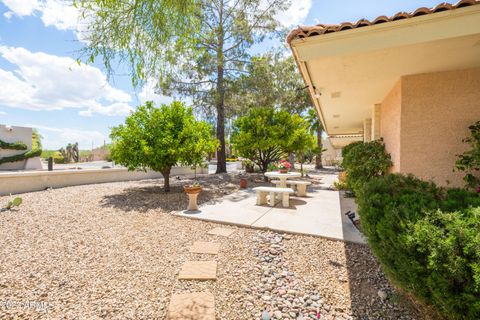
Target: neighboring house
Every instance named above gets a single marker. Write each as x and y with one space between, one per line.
412 79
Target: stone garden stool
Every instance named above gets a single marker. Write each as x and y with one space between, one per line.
263 191
300 185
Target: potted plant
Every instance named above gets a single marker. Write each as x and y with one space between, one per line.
284 166
248 164
192 188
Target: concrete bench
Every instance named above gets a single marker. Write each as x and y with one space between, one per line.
300 185
263 191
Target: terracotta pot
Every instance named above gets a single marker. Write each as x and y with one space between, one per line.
192 190
283 170
243 183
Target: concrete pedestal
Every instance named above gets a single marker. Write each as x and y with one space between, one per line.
192 201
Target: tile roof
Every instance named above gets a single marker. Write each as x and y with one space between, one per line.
319 29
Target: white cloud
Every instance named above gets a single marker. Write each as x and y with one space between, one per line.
8 14
296 14
21 7
48 82
60 14
114 109
55 138
148 94
3 113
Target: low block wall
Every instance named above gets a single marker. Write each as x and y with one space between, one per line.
20 182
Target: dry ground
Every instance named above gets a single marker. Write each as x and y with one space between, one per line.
112 251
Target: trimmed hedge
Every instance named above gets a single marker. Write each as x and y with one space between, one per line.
348 147
363 161
427 239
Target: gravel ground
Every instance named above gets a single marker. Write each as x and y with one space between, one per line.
112 251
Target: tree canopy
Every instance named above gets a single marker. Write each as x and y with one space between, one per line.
160 138
192 48
271 80
265 135
136 33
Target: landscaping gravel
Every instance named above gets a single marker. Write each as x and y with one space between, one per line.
113 251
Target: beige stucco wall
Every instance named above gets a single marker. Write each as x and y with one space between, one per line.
437 109
331 154
390 116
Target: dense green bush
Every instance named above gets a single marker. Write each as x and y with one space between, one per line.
363 161
58 158
450 244
348 147
469 161
427 240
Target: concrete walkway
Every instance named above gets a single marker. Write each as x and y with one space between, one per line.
319 214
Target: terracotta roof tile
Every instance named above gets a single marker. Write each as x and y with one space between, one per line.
319 29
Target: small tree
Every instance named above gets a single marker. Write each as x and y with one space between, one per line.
305 147
160 138
265 135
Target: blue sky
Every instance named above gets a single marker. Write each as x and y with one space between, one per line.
42 86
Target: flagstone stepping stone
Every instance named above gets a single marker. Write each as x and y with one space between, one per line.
205 247
224 232
198 270
196 305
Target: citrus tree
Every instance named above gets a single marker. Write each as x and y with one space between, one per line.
160 138
265 135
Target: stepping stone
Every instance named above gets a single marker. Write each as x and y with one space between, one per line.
205 247
198 270
197 305
224 232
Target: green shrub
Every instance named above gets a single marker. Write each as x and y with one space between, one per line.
450 245
469 161
58 158
363 161
349 147
426 239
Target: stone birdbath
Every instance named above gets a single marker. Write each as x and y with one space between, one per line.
192 192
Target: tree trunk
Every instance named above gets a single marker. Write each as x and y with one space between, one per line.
291 159
166 178
220 98
318 158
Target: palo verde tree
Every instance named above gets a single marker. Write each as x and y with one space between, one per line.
265 135
160 138
316 126
192 48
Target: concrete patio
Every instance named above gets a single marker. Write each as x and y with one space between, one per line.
319 214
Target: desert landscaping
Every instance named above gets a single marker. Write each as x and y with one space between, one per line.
114 251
